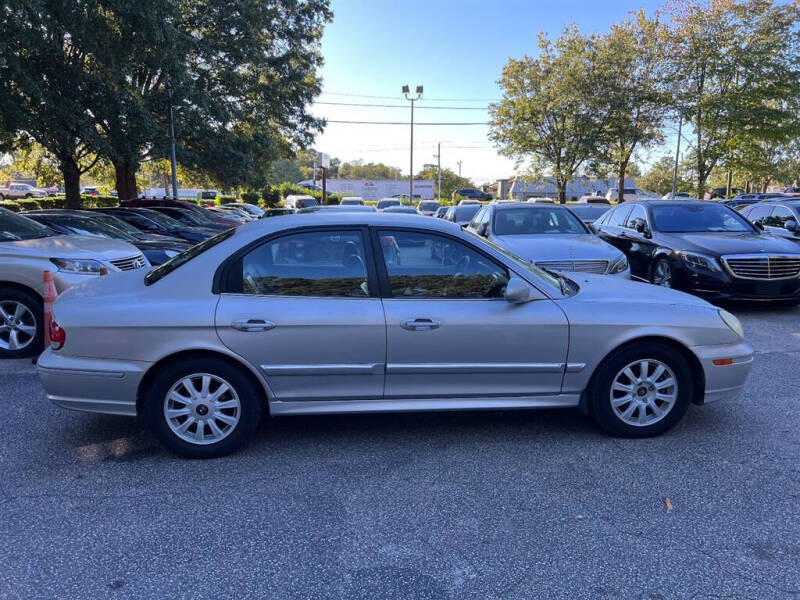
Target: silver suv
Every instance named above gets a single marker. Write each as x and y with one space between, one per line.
26 250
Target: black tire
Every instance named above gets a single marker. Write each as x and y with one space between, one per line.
600 389
659 263
249 394
34 304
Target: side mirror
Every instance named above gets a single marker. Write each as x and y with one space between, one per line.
517 291
483 230
791 225
640 226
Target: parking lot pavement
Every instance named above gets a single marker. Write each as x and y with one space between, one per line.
450 505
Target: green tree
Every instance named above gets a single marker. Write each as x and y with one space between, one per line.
632 66
551 114
735 63
450 181
359 170
49 85
658 177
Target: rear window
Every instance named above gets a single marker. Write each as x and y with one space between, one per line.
185 256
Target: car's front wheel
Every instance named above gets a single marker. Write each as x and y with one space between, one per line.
21 319
641 390
203 407
662 274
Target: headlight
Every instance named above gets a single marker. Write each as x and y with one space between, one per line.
700 261
81 266
619 266
732 322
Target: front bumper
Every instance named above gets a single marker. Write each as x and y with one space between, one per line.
719 285
91 384
727 380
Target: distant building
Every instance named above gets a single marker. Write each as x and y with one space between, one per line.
522 189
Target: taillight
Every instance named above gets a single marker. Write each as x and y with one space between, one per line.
57 335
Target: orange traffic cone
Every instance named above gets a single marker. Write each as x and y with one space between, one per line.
49 298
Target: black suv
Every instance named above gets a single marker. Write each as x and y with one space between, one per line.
472 193
704 248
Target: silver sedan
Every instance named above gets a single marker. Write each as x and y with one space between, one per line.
366 312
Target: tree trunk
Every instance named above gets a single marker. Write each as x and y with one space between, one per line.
562 192
72 182
623 166
730 184
766 185
125 176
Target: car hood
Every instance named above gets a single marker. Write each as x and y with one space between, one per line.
69 246
157 237
599 288
567 246
729 243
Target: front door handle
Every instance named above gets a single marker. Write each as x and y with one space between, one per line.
419 324
253 325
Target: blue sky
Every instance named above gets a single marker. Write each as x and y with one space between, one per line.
456 49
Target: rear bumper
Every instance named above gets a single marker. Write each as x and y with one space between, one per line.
91 384
724 381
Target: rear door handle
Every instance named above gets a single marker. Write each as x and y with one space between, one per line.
419 324
253 325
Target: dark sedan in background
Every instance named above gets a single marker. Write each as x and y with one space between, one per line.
219 219
157 249
778 218
461 214
704 248
153 221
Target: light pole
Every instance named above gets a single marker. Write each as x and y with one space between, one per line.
406 92
677 155
172 142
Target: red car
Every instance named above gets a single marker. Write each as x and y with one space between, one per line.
148 203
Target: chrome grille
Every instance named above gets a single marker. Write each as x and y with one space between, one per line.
754 266
130 263
581 266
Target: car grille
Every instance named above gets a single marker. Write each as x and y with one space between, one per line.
130 263
581 266
764 267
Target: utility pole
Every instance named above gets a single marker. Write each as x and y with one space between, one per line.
406 91
459 168
677 156
172 141
438 157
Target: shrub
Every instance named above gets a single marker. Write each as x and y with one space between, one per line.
271 196
335 198
251 197
225 199
10 205
99 201
28 204
288 188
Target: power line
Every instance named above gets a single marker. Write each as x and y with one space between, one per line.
403 123
395 98
403 106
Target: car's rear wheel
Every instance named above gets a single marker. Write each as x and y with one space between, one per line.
641 390
203 407
662 274
21 324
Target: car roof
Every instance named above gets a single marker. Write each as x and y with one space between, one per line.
348 218
525 205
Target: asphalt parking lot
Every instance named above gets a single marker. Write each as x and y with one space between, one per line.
452 505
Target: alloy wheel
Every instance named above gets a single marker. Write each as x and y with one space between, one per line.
17 325
644 392
202 409
662 275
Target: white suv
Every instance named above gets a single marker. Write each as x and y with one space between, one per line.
26 250
630 194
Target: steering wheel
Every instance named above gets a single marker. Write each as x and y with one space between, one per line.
462 265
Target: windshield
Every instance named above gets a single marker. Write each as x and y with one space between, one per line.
385 203
160 218
185 256
466 212
698 217
14 228
87 227
118 223
526 221
590 212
